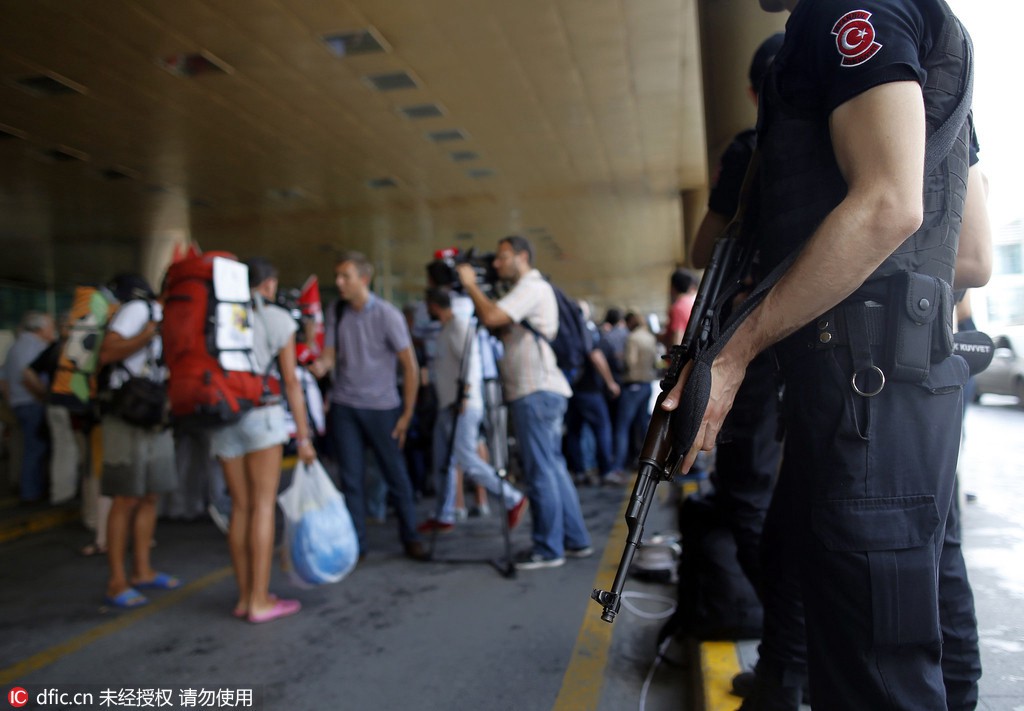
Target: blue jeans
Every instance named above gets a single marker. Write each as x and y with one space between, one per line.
33 462
589 408
632 406
464 453
351 428
555 506
375 491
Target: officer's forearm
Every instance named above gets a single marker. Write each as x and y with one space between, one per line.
844 251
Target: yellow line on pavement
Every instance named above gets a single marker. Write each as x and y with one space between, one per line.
18 671
581 685
41 521
719 663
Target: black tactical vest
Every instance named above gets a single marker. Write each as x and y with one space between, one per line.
801 183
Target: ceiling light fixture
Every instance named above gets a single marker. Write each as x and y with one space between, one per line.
344 44
10 132
464 156
47 85
422 111
391 81
193 64
381 183
451 134
118 173
286 194
63 154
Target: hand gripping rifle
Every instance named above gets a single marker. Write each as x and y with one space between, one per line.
671 434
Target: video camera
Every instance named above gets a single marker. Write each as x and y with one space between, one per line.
441 272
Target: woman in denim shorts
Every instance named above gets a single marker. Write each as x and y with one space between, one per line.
250 451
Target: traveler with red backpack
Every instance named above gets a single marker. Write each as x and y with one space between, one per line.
250 451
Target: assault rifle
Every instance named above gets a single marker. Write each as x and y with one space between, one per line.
671 434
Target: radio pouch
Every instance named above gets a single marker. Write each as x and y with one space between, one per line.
920 329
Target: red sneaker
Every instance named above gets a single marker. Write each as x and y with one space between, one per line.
432 524
515 514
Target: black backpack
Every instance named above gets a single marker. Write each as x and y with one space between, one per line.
715 599
572 341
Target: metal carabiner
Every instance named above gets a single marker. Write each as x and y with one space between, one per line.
881 384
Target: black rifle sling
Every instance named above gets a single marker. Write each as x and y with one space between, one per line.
941 142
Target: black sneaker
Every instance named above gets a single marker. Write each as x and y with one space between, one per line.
416 551
528 560
743 684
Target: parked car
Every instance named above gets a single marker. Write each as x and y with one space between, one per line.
1005 376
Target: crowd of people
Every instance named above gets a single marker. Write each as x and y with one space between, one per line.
382 378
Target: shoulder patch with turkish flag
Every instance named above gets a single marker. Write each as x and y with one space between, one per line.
855 38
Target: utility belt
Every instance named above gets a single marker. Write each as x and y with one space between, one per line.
896 334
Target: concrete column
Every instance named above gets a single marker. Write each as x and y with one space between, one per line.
730 33
157 251
694 203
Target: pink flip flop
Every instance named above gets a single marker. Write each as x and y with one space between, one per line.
244 614
281 608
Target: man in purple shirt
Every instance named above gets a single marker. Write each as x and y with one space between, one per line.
364 344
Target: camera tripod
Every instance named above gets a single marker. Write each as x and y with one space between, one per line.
496 431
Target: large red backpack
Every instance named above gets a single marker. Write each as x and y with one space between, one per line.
207 341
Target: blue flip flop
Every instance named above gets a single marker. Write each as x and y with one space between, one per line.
127 599
162 581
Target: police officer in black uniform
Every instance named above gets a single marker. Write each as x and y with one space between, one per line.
864 187
747 460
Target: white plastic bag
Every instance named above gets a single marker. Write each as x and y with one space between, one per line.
320 544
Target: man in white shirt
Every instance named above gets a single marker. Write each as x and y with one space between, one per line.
537 394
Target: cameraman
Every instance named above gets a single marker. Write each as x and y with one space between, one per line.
537 394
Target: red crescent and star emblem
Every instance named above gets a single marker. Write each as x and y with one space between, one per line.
855 38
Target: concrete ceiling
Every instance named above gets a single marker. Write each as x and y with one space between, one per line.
576 122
